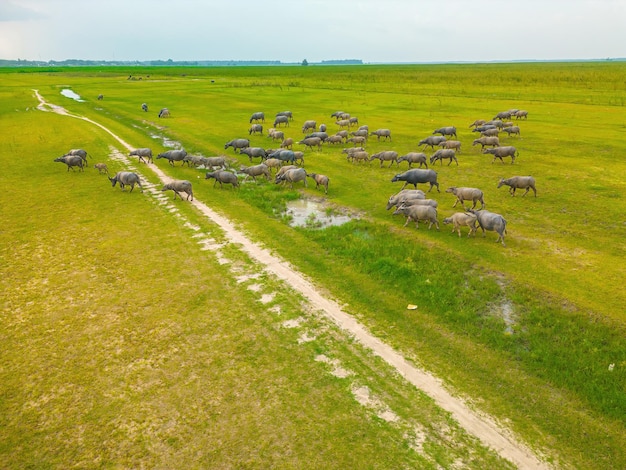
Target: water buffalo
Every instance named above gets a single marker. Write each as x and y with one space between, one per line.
431 141
257 117
416 176
414 157
179 186
254 152
450 130
519 182
501 152
223 176
292 176
308 126
173 156
80 152
386 133
491 221
237 144
126 178
71 161
141 153
320 180
281 119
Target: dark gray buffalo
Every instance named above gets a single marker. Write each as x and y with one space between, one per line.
416 176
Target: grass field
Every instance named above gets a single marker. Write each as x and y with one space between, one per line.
125 345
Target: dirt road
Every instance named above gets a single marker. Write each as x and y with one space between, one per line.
483 427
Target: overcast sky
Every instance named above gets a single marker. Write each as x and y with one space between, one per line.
293 30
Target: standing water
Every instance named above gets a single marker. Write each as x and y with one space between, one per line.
306 213
70 94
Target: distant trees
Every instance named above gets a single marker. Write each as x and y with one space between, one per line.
305 62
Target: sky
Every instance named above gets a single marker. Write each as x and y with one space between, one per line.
374 31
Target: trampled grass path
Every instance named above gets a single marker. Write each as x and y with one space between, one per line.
479 425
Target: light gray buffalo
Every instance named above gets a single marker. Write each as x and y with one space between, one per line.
418 212
443 154
237 144
320 180
492 222
223 176
502 152
281 119
125 178
467 194
292 176
173 156
414 157
179 186
449 130
71 161
257 170
431 141
254 152
386 133
308 126
144 154
80 152
460 219
519 182
257 117
256 129
390 156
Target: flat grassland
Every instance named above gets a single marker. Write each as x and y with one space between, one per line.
127 344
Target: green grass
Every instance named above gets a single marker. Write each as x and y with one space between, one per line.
561 272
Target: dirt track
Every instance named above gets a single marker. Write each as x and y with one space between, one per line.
481 426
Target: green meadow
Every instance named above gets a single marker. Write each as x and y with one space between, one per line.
127 345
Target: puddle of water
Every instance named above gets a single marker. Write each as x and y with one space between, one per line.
70 94
311 214
167 142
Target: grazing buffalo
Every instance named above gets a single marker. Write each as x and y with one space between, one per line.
126 178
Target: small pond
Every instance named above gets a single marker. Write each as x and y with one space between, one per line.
311 214
70 94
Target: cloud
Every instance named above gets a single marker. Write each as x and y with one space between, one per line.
10 11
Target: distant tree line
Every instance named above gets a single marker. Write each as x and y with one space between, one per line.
161 63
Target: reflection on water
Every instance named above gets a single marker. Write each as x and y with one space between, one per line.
70 94
306 213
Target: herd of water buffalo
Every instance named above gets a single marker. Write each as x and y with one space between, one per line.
289 164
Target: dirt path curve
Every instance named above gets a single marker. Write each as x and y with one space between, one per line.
481 426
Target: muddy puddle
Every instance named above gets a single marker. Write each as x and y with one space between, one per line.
313 214
71 94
